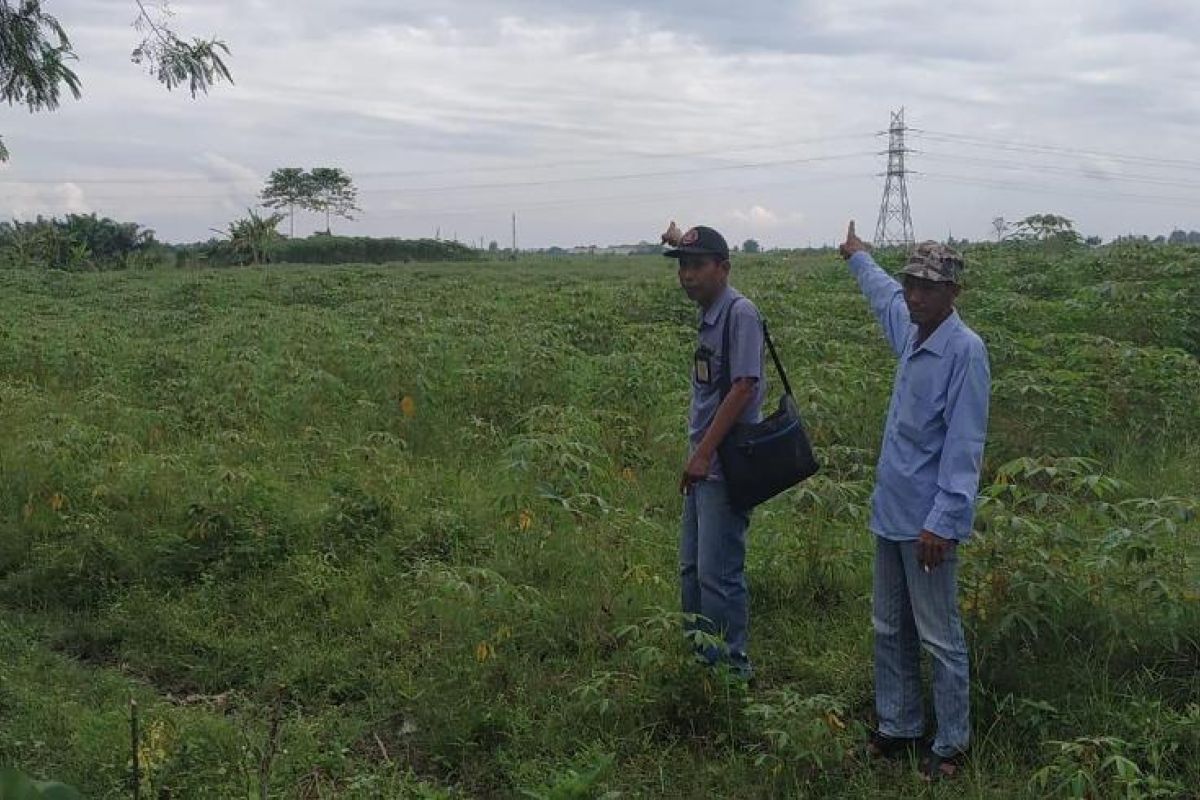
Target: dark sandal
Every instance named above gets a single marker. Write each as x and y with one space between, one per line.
882 746
937 768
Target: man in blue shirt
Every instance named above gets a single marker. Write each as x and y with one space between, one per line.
712 551
924 500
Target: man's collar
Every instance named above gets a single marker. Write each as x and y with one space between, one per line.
713 313
937 341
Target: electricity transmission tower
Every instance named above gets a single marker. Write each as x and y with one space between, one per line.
895 228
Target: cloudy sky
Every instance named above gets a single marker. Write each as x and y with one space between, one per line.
597 121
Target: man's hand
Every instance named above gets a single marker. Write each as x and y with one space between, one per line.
696 470
672 235
852 245
932 550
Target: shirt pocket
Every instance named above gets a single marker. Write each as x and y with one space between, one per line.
919 415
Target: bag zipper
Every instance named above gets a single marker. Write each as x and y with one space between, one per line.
772 436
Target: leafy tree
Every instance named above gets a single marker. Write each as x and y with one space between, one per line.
493 246
751 246
35 52
1048 228
1000 228
289 187
333 193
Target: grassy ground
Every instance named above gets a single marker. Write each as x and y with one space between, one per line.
410 531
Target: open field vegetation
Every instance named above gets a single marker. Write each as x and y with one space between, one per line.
410 530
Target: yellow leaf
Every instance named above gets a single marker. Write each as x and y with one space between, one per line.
483 651
408 406
835 721
524 521
628 475
57 501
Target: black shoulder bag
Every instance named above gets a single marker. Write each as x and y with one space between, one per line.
762 459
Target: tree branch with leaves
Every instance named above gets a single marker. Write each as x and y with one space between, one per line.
175 62
35 52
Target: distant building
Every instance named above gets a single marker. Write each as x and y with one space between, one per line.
639 249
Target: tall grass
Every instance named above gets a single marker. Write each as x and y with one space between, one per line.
424 516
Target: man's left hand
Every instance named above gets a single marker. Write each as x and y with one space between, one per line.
672 235
932 550
696 470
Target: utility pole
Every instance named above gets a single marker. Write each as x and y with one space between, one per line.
514 243
895 228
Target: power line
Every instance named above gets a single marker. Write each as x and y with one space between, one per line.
634 175
627 198
1059 170
1022 186
714 152
551 181
1046 149
624 198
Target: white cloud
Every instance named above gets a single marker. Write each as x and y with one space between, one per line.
73 199
29 200
757 217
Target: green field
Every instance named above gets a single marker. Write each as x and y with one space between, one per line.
420 522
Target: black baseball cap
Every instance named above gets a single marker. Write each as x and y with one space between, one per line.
701 241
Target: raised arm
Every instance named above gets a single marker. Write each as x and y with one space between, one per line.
966 418
883 292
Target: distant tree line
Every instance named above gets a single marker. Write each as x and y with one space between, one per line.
87 242
1175 237
79 242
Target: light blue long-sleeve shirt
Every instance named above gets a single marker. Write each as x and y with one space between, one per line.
928 472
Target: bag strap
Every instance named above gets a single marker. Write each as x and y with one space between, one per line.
787 387
726 380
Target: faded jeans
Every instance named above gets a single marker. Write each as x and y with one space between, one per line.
912 606
712 560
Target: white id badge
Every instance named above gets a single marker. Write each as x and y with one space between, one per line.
703 369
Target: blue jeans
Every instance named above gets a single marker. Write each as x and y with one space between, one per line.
712 560
911 606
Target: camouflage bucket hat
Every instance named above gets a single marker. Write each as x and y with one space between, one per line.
935 262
